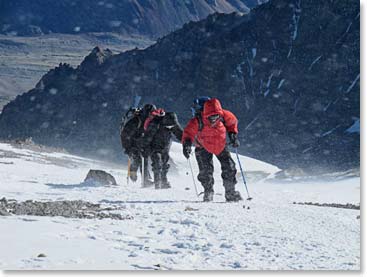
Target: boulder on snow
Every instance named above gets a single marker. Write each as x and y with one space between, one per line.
101 177
3 210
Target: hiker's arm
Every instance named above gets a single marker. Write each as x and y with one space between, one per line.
190 131
230 122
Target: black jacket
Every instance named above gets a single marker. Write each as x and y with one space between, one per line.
131 134
157 136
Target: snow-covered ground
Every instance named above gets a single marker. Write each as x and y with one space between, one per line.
173 229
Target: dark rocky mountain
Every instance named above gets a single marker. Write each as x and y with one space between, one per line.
140 17
289 70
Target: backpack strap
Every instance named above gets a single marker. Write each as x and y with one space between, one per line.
139 122
129 115
200 121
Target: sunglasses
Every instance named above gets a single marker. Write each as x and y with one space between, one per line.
213 118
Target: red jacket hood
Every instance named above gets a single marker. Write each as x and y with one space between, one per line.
212 137
212 107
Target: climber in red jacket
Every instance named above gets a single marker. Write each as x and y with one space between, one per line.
207 130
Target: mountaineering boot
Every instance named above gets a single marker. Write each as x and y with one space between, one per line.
208 196
233 196
165 183
133 176
148 183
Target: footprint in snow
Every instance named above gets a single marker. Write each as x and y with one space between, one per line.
58 222
140 246
182 245
184 222
174 231
143 267
235 265
64 236
189 222
160 232
225 245
168 251
143 238
28 220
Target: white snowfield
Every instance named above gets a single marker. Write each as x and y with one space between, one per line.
173 229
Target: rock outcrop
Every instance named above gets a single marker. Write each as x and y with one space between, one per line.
69 209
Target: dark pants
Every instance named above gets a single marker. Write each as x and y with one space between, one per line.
206 169
160 165
136 163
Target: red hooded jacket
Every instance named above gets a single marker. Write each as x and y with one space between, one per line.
212 136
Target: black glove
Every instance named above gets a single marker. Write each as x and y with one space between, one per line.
187 148
233 140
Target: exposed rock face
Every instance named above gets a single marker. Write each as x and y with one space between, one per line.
332 205
100 177
289 70
70 209
144 17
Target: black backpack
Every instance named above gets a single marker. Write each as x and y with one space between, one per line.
131 113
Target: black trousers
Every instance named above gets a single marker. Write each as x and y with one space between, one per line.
160 164
206 169
136 163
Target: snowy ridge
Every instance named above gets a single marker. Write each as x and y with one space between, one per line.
173 229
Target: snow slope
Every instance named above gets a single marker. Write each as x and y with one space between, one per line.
173 229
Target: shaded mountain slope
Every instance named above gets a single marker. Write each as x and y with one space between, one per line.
145 17
289 70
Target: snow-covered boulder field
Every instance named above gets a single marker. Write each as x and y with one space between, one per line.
172 228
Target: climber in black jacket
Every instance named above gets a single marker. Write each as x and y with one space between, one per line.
156 142
131 133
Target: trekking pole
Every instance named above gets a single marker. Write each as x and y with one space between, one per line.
193 178
128 170
142 171
243 175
